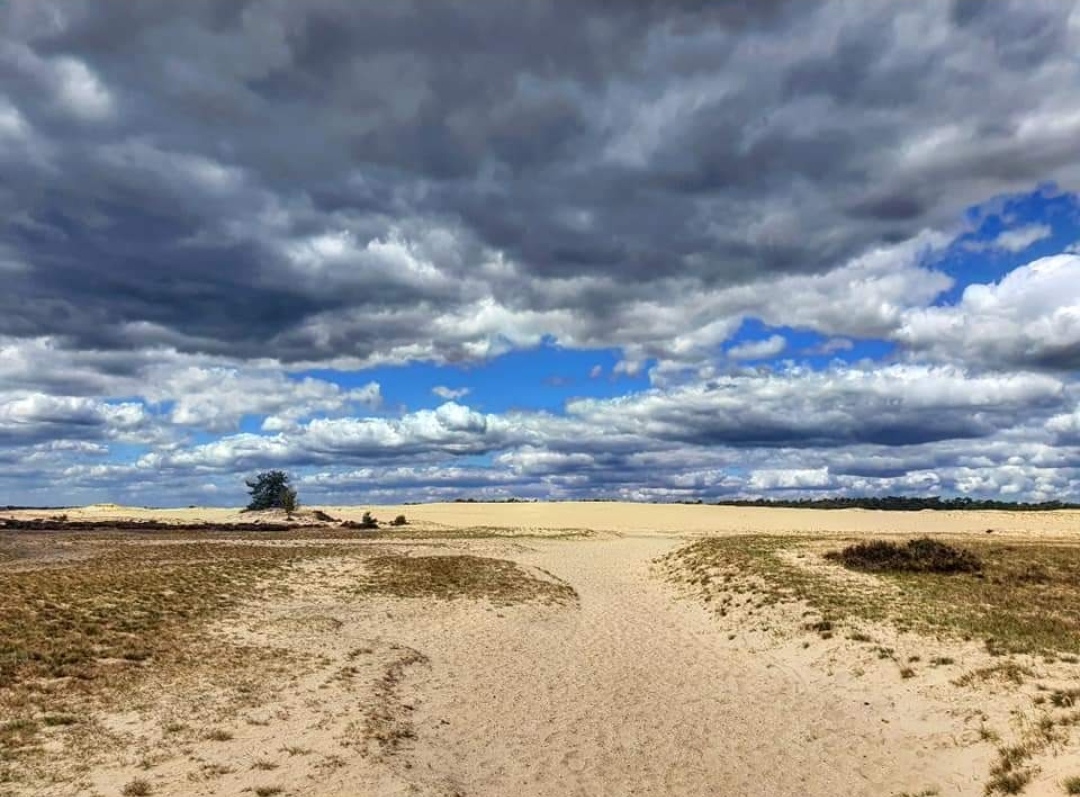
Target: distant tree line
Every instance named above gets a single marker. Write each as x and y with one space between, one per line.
892 503
903 503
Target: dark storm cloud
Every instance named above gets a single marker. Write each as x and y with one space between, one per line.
164 163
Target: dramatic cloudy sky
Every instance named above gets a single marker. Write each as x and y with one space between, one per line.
657 251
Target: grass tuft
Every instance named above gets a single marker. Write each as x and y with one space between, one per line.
137 788
1010 775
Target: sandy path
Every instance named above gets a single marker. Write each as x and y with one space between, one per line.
637 693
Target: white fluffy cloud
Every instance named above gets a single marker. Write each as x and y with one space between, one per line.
218 398
1020 238
1031 318
768 480
758 349
841 406
35 417
450 393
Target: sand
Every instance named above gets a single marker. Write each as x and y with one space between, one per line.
627 518
636 689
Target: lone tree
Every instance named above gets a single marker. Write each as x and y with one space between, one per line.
271 490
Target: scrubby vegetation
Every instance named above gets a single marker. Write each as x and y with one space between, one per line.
367 522
1024 598
922 555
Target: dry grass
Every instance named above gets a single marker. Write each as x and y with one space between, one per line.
475 533
1007 671
1025 599
86 615
464 576
1011 773
386 723
127 605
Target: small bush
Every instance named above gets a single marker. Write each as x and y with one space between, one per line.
368 521
922 555
289 502
136 788
399 521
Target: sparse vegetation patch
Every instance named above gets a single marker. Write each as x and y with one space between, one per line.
987 593
1008 671
80 631
448 577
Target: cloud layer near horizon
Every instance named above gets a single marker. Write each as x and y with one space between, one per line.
220 217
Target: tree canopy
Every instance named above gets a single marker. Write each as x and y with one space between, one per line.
271 490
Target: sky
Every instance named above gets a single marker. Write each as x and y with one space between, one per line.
656 251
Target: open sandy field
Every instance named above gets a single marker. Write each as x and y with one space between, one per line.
537 649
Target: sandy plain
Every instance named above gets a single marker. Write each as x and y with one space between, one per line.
604 676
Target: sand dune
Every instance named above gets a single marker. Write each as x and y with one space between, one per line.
627 518
634 689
